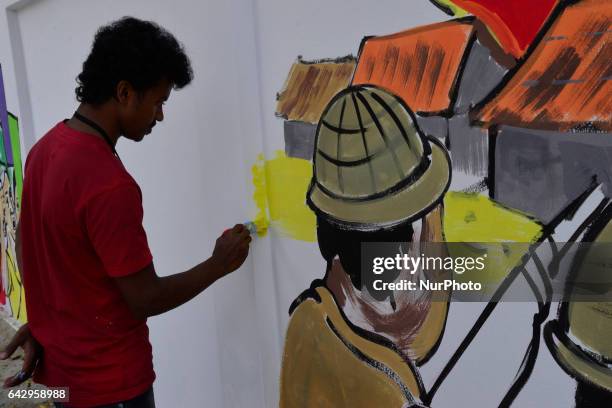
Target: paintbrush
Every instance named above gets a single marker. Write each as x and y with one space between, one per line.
258 226
255 227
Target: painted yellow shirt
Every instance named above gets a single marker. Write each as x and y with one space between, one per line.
326 364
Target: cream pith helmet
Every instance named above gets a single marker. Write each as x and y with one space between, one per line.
372 166
579 339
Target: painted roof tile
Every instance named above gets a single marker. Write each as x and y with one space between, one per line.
420 65
311 85
566 83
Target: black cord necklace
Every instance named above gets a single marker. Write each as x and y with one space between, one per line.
99 129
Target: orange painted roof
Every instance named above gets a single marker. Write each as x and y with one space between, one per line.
310 86
567 81
419 65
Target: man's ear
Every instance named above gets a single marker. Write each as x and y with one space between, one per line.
124 91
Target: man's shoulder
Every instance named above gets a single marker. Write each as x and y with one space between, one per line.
46 139
113 177
79 161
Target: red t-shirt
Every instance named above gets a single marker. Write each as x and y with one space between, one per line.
81 226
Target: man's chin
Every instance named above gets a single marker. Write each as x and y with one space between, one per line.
139 137
142 136
136 138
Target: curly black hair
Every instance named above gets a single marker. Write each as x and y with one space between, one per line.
137 51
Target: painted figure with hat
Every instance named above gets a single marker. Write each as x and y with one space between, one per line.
376 178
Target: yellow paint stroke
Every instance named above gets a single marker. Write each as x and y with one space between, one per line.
475 218
260 196
280 185
16 292
455 10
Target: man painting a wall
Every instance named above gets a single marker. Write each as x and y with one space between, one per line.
87 269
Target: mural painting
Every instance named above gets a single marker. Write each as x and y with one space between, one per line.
12 297
491 127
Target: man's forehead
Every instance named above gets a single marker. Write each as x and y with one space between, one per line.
162 89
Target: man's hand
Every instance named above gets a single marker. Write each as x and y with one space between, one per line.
231 249
32 354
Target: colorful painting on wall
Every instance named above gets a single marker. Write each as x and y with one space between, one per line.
492 126
12 297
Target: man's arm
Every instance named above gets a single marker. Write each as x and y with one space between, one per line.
148 294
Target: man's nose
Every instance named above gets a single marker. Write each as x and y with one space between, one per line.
160 114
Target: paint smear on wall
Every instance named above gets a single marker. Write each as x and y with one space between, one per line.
475 218
260 195
311 85
280 186
280 195
16 292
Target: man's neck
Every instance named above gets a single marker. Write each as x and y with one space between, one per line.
102 116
